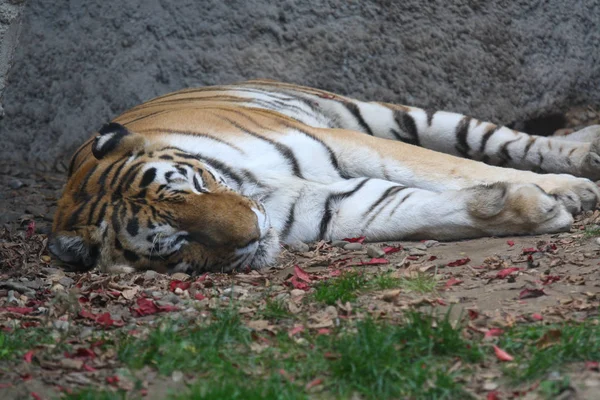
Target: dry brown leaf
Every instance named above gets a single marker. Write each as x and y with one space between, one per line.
550 338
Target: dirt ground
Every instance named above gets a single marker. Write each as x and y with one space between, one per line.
494 282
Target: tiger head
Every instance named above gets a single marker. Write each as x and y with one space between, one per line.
136 203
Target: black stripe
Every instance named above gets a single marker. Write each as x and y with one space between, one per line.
115 177
487 137
285 151
102 213
355 111
291 217
531 141
503 154
93 209
430 113
400 203
148 177
407 124
79 150
462 130
192 133
388 192
336 197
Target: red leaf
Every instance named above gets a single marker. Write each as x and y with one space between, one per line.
202 278
510 243
17 310
473 314
301 274
375 261
459 262
412 258
530 250
174 284
84 353
323 331
112 379
451 282
537 317
107 321
506 272
30 229
501 354
5 385
295 330
531 293
494 332
145 307
355 240
440 302
392 249
36 396
493 396
87 314
432 258
297 284
335 272
89 368
592 366
199 296
28 356
548 279
313 383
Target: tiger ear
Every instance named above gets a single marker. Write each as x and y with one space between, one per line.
114 137
75 247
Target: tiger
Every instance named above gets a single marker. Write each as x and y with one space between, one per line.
218 179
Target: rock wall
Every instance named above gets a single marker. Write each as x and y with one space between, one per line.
10 25
82 62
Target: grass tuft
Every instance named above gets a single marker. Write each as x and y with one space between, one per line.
18 341
344 288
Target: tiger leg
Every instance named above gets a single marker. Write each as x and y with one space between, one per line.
588 134
360 155
466 137
383 210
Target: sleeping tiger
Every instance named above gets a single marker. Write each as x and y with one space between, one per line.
216 178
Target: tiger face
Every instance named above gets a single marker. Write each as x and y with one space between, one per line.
141 205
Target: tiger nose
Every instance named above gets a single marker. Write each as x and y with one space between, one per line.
263 221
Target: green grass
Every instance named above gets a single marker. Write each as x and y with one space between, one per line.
275 309
344 288
18 341
376 360
421 283
591 231
92 394
577 342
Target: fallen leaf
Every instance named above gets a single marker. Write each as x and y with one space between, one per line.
71 363
258 324
355 240
301 274
548 279
375 261
106 320
592 366
459 262
506 272
493 396
550 338
17 310
295 330
28 356
529 250
392 249
30 229
531 293
493 332
501 354
537 317
432 258
148 307
313 383
176 284
451 282
129 293
473 314
199 296
323 331
510 243
298 284
36 396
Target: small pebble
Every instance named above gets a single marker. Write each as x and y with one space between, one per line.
157 295
61 325
416 252
86 332
430 243
150 274
421 246
180 276
299 247
375 252
353 246
177 376
282 296
598 241
15 184
339 243
11 297
172 298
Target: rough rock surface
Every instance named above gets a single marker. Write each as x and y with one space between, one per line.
10 25
81 63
